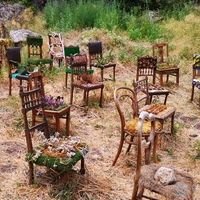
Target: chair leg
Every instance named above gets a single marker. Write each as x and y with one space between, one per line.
101 98
129 146
102 75
82 170
71 96
192 95
66 78
31 173
10 85
114 73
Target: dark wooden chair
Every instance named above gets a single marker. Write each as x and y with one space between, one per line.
195 76
146 66
96 59
160 179
85 81
15 67
56 48
162 52
35 53
127 106
54 116
40 154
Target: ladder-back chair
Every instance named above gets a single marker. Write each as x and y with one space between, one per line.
56 48
54 115
96 59
35 53
159 179
40 154
196 76
85 80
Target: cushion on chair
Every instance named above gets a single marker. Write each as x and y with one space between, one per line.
196 60
68 71
34 40
132 126
60 154
36 61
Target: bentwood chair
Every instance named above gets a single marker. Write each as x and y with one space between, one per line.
35 53
15 68
127 106
85 80
65 151
162 52
56 48
195 76
160 179
96 59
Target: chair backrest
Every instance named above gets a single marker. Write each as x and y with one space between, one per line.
141 90
126 103
32 100
161 51
71 50
13 54
34 46
78 65
55 43
196 66
146 66
95 51
33 79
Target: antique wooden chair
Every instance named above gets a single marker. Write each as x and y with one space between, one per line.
195 76
56 48
96 59
85 80
15 68
127 106
146 66
65 152
163 180
162 52
35 53
54 115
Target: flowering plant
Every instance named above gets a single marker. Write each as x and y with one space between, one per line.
53 103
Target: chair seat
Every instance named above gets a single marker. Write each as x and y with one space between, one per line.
68 71
39 61
103 66
50 154
181 189
132 127
88 85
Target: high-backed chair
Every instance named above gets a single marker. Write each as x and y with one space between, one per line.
195 76
85 80
96 59
146 66
35 53
15 67
55 115
160 179
56 48
127 106
162 52
65 152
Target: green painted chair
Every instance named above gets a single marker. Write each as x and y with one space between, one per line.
35 53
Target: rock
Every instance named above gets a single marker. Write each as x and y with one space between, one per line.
21 35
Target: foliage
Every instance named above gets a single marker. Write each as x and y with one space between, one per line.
196 147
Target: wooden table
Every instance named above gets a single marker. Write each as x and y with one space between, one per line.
168 71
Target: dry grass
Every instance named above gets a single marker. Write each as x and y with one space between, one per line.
100 128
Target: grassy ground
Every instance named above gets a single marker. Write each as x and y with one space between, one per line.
100 128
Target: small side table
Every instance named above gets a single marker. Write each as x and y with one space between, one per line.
168 71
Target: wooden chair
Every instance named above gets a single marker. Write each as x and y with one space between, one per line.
127 106
96 59
161 112
85 80
40 154
146 66
54 116
195 75
56 48
163 180
162 52
15 68
35 53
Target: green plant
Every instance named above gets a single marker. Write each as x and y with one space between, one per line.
177 127
196 147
